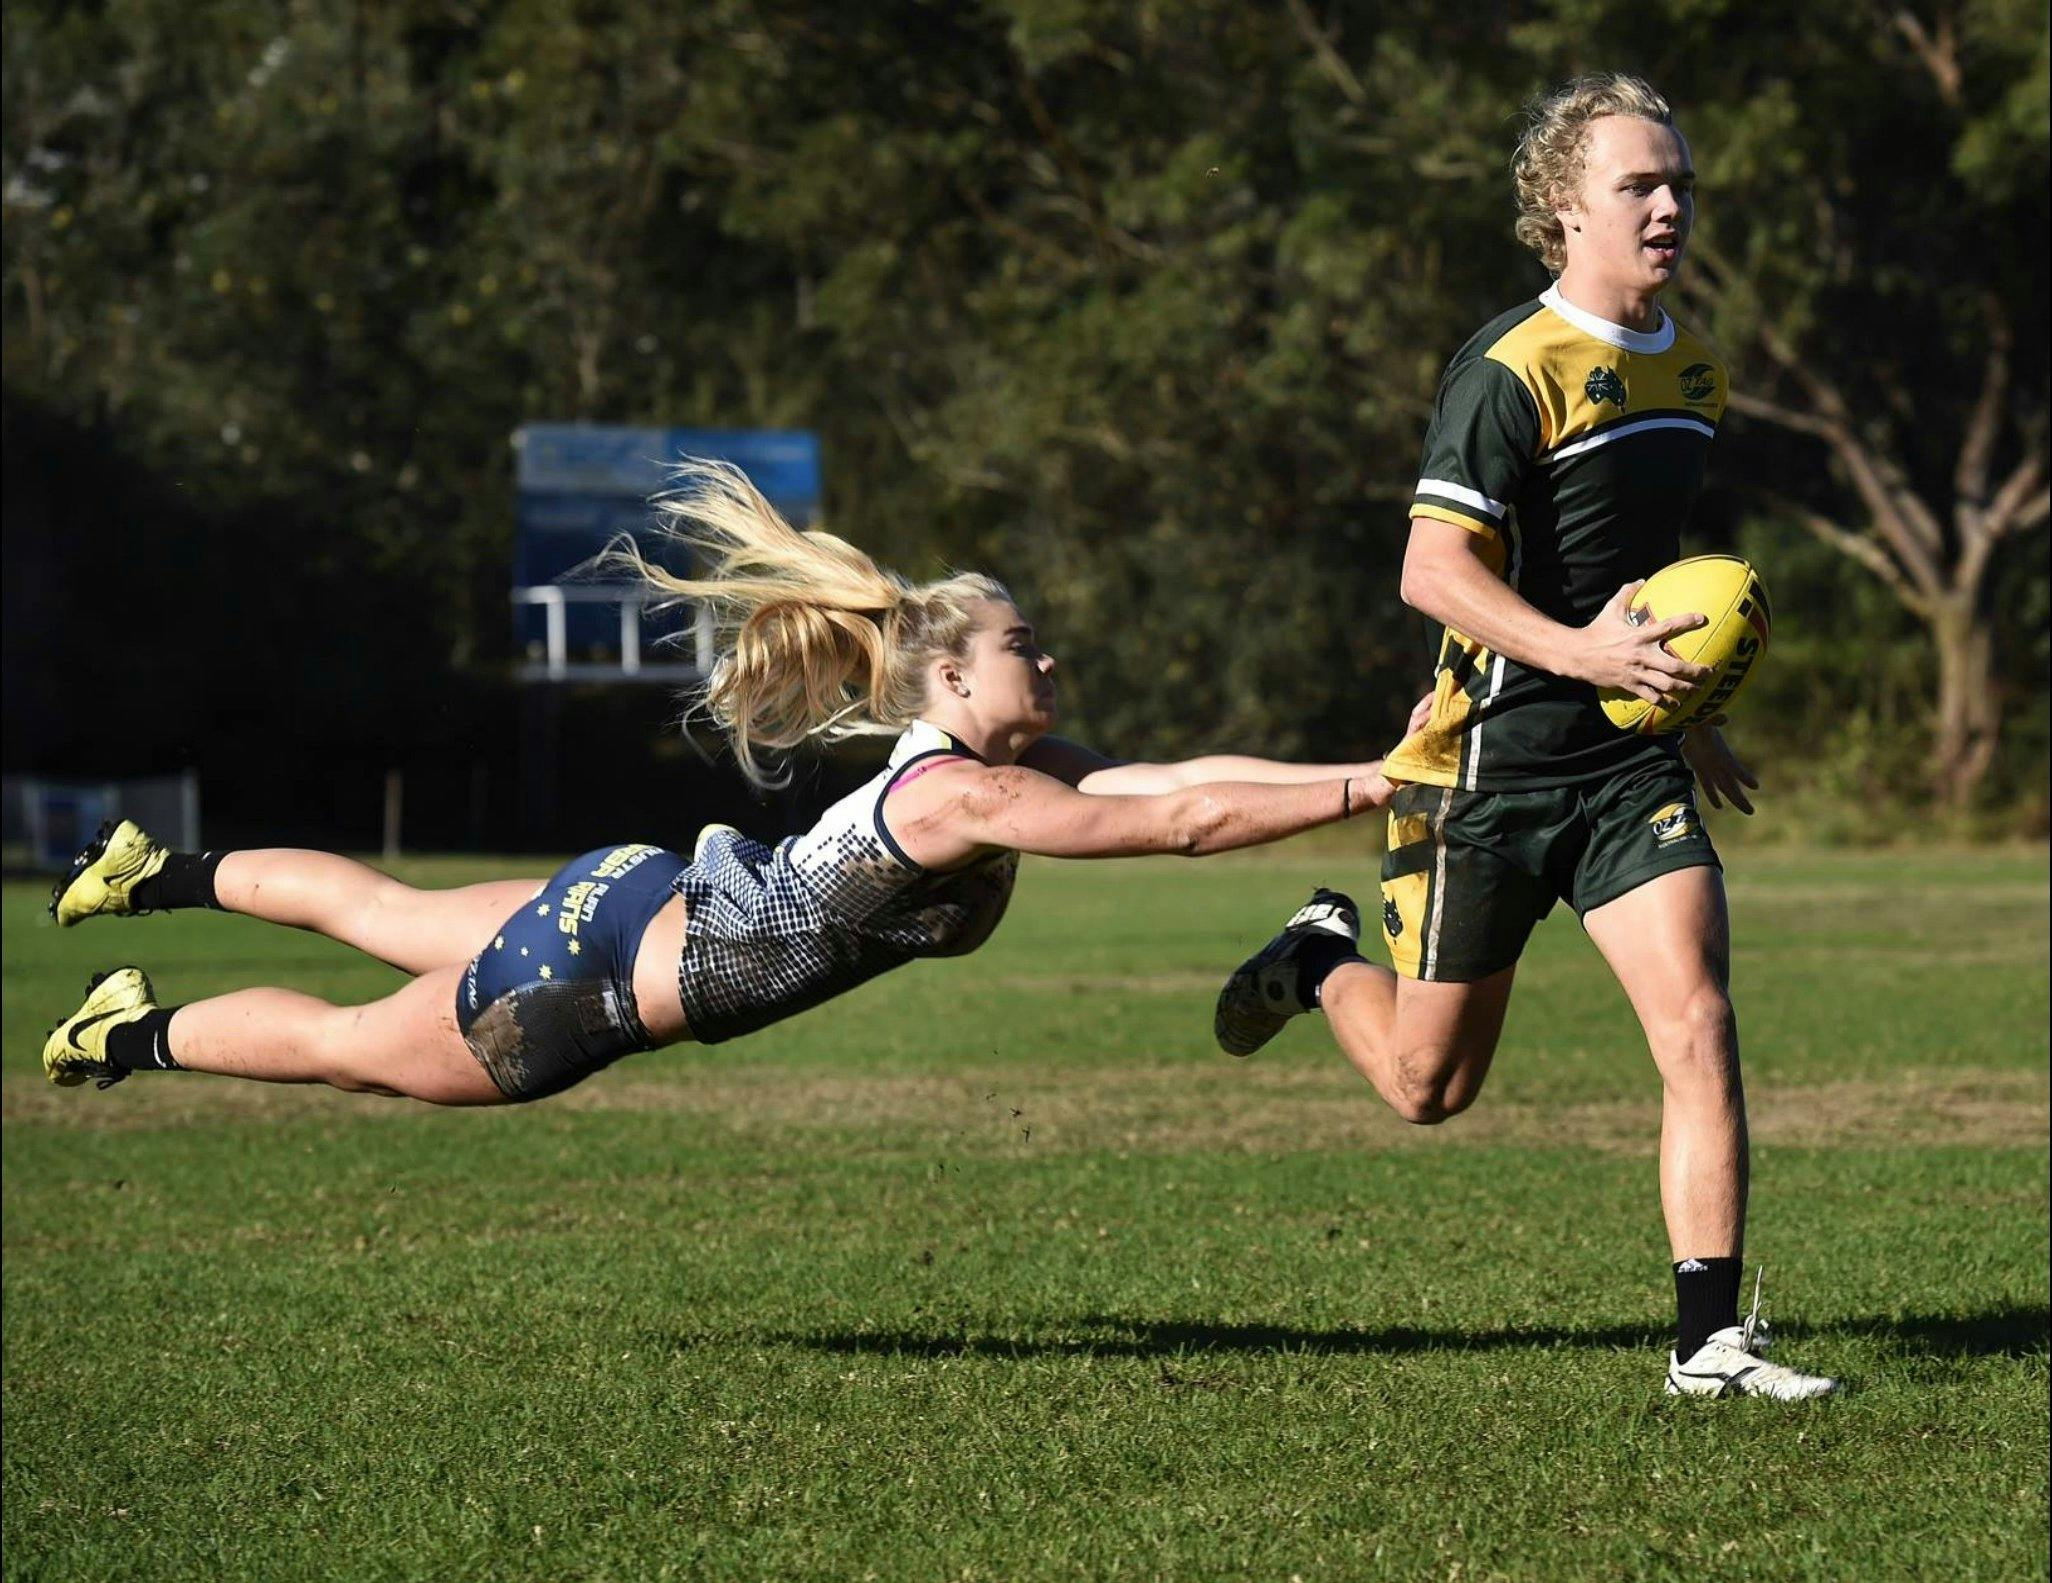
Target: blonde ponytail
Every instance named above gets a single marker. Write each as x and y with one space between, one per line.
814 639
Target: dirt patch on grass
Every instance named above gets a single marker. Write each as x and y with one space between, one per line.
1278 1109
1157 1108
1202 982
170 1103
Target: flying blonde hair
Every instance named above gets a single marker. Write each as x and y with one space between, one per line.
815 640
1547 167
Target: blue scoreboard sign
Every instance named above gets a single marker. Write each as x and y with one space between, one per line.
582 485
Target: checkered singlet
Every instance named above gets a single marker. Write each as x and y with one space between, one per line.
772 931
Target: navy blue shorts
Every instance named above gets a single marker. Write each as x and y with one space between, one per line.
551 999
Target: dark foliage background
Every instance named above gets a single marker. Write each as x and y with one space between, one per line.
1139 307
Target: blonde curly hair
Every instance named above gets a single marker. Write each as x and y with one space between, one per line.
1547 167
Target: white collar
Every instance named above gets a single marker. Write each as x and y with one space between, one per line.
1611 334
923 736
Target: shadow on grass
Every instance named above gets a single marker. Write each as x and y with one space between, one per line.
2012 1330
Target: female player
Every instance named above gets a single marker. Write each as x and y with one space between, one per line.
522 989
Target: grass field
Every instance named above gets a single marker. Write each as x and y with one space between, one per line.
998 1270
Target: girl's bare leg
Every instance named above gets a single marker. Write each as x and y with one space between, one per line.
657 998
415 930
406 1044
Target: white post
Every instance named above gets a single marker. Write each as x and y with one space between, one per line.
36 820
630 633
552 598
188 809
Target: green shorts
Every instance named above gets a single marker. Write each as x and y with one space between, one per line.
1468 873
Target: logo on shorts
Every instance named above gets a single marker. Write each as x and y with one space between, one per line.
1392 920
1603 384
1672 823
1698 383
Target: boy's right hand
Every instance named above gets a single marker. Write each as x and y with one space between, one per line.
1632 656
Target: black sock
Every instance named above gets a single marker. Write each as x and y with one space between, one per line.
144 1045
185 880
1706 1294
1316 958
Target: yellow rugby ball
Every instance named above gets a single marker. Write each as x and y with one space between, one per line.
1728 593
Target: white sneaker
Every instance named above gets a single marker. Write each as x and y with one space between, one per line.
1261 995
1730 1363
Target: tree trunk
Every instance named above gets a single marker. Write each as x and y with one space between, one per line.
1969 719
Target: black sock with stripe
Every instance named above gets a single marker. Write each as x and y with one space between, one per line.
185 880
1316 958
1706 1294
144 1045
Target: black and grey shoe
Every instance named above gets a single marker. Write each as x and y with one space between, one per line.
1263 992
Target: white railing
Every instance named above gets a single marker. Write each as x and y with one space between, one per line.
555 663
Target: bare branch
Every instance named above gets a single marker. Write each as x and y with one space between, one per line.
1774 412
1711 275
1026 238
1892 508
1099 437
2016 506
1880 481
1939 52
2016 509
1329 59
1070 163
1876 475
914 434
1864 550
1984 425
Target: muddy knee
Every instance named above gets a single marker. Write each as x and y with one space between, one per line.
1432 1088
1429 1107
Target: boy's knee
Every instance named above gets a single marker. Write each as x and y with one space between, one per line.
1421 1108
1433 1088
1697 1042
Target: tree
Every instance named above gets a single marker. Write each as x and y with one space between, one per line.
1921 195
1149 303
1142 307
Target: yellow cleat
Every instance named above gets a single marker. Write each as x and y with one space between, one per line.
76 1051
102 878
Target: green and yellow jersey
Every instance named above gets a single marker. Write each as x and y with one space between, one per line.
1574 448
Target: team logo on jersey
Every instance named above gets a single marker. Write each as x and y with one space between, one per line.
1603 384
1698 383
1672 823
1392 920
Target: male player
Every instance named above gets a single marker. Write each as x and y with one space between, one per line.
1566 450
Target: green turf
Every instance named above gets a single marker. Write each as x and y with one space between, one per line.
998 1270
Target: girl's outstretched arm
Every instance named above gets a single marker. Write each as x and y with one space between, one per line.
1091 772
962 811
